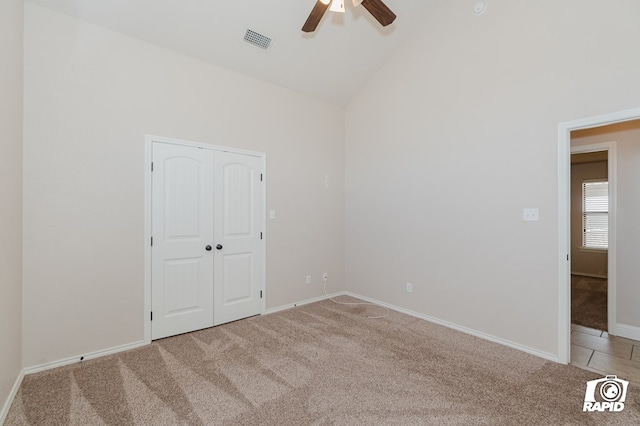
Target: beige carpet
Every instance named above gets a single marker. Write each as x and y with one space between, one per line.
319 364
589 302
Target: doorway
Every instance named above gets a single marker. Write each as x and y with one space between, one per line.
206 244
591 209
564 245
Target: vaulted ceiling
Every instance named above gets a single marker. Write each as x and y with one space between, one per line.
332 64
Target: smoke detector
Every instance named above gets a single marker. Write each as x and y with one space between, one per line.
480 7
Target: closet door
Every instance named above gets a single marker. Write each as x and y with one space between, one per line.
238 257
182 229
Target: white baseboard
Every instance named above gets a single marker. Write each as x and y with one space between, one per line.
11 397
80 358
110 351
627 331
586 274
622 329
60 363
304 302
485 336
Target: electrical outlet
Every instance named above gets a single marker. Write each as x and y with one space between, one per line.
325 277
409 287
308 279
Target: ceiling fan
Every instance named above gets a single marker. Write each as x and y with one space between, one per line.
377 8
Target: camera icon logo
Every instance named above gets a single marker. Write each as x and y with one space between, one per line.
606 394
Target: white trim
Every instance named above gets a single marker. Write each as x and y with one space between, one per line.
148 157
586 274
60 363
593 250
634 332
627 331
154 138
612 250
564 239
485 336
263 226
11 397
564 224
77 359
149 140
81 358
304 302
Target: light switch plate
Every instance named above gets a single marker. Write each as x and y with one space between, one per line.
530 215
272 214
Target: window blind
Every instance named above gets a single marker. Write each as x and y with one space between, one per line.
595 214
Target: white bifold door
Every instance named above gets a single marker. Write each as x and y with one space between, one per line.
206 261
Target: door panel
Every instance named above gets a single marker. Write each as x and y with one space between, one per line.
182 226
238 273
237 277
182 279
182 182
238 198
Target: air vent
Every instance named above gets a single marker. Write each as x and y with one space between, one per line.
257 40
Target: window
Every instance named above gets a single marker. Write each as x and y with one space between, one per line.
595 214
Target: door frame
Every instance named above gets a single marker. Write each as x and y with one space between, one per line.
564 221
149 140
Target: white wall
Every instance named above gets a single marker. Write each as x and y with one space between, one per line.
11 29
627 138
456 135
91 95
447 144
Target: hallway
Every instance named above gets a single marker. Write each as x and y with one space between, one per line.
596 351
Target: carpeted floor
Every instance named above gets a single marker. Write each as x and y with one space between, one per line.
589 302
318 364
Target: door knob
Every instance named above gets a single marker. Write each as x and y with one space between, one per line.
208 248
219 246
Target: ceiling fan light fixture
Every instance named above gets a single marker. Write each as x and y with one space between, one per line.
337 6
376 8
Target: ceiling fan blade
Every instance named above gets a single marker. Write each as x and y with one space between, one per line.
380 11
315 16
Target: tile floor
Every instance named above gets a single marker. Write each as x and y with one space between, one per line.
596 351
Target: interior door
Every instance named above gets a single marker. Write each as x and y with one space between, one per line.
182 230
238 257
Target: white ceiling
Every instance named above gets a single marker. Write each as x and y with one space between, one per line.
332 64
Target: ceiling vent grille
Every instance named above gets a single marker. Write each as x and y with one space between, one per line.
257 40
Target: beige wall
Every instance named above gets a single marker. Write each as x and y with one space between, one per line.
627 138
456 135
91 95
11 29
584 262
446 145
